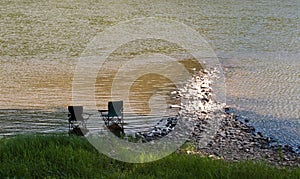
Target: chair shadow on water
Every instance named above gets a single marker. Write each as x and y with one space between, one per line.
77 124
113 117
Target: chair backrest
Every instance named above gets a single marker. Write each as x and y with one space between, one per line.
75 112
115 108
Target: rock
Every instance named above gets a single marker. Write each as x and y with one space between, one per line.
174 92
259 134
226 109
211 156
205 100
204 112
222 134
205 85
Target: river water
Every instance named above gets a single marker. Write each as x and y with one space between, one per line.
257 43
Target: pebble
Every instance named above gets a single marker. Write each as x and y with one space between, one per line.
175 106
173 92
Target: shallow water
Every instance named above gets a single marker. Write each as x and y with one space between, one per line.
257 43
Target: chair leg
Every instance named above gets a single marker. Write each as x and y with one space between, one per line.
122 123
84 124
69 128
105 121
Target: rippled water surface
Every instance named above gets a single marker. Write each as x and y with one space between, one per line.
257 43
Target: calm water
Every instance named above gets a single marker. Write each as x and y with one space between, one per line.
257 43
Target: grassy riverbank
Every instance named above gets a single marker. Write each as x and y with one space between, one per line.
62 156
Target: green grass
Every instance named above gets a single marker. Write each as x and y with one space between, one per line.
61 156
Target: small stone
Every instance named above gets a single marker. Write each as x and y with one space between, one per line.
205 85
175 106
204 112
205 100
226 109
259 134
174 92
286 158
222 134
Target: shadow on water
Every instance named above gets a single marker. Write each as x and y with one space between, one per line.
21 121
16 121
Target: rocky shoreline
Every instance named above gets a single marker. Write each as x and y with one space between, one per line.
217 133
233 140
236 141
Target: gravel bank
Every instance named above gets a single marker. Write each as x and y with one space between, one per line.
227 137
236 141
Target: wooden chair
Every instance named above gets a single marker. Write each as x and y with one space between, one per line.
77 124
114 114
